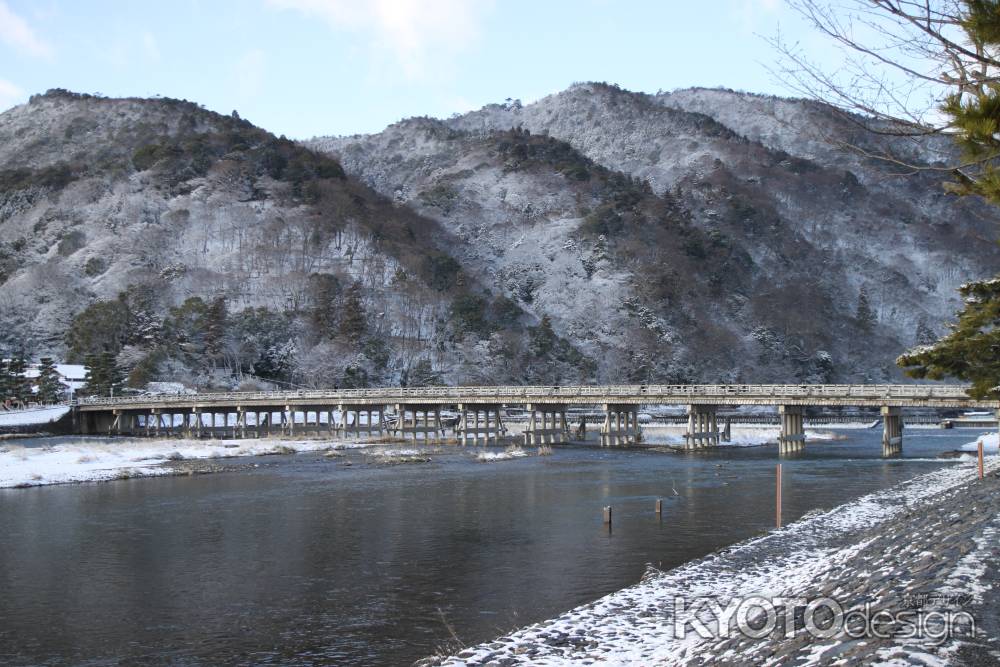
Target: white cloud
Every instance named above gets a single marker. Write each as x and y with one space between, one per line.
17 34
9 95
414 32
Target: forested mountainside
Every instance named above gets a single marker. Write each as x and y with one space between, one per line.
698 235
596 235
196 247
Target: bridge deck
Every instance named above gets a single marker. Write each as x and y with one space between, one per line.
899 395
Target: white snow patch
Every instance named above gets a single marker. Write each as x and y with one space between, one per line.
396 452
97 459
506 455
991 444
31 416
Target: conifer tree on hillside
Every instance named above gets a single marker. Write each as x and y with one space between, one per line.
20 386
6 381
50 387
103 376
353 323
866 315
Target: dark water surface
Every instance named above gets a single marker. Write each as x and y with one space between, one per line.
308 561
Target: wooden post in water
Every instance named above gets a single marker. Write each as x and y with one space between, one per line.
659 506
778 497
980 458
607 516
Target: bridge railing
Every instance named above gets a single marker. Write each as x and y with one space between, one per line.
600 393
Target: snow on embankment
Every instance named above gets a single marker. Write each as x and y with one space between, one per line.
33 416
991 444
92 460
636 625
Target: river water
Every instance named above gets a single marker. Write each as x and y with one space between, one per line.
308 560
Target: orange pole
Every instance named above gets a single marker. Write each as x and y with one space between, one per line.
778 497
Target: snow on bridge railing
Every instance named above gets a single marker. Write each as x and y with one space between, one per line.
599 393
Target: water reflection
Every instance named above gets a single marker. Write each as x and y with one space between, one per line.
310 561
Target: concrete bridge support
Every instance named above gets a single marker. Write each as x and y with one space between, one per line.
793 434
408 421
95 423
892 431
358 420
621 425
546 424
123 422
703 427
481 421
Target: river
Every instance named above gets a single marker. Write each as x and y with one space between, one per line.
309 560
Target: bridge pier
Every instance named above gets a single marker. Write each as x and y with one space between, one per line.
487 432
703 427
355 427
408 418
892 431
121 423
793 435
621 425
546 424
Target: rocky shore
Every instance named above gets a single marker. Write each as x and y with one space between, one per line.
893 577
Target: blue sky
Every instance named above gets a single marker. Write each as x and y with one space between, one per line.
311 67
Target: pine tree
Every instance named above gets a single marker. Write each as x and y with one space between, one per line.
20 387
422 374
6 382
103 376
543 338
865 315
353 323
215 327
50 387
971 352
92 382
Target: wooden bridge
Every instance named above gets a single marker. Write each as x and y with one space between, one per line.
412 412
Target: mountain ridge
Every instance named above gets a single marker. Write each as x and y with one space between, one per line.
594 235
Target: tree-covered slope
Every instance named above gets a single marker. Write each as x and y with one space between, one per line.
742 254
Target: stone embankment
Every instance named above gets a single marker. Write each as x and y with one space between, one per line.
892 577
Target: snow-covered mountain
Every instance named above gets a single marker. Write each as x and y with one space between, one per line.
595 235
768 234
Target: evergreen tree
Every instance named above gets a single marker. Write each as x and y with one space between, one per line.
50 387
20 386
422 374
103 376
214 327
971 352
324 288
353 323
543 338
865 315
6 381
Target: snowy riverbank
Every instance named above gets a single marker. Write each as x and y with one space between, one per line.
54 461
32 416
893 550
